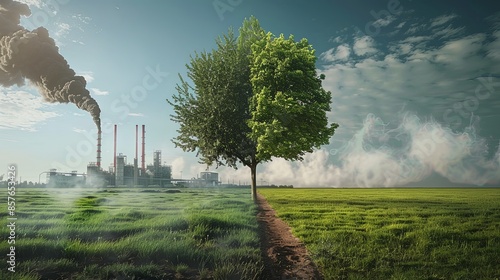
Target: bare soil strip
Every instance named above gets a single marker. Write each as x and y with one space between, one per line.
285 256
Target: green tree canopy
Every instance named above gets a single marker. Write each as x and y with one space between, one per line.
288 104
252 98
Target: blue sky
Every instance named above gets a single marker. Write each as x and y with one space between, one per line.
415 87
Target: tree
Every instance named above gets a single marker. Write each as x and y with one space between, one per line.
252 98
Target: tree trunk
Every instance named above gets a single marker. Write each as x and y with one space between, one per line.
253 170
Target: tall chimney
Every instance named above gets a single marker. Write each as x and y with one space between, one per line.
136 159
143 165
136 141
114 155
99 148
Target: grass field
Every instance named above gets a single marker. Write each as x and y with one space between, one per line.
396 233
134 234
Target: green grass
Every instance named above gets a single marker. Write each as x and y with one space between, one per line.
134 234
396 233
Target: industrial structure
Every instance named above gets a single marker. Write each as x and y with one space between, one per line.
210 178
63 179
124 173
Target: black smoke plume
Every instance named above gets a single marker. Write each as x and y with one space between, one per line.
34 56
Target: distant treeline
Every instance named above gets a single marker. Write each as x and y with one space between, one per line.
280 186
25 184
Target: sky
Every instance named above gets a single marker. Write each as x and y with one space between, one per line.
415 87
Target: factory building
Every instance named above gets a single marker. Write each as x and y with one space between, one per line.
63 179
158 171
210 178
98 177
120 169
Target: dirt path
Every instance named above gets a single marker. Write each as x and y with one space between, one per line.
285 256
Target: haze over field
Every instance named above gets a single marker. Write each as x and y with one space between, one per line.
415 86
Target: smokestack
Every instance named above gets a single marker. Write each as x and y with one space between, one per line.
136 159
143 165
114 155
34 56
99 133
136 141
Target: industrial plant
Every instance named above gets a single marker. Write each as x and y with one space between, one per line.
128 173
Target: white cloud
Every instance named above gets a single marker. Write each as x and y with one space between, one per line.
136 114
329 55
364 46
495 20
494 47
337 40
178 166
88 75
456 51
439 27
35 3
78 42
399 26
442 20
45 5
416 39
62 29
80 131
415 27
22 110
447 32
382 22
401 49
341 53
97 91
83 19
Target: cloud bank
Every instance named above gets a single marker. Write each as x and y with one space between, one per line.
22 110
387 155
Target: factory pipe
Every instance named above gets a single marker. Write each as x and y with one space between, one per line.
114 156
136 159
136 140
143 159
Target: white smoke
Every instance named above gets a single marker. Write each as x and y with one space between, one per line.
379 155
178 166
